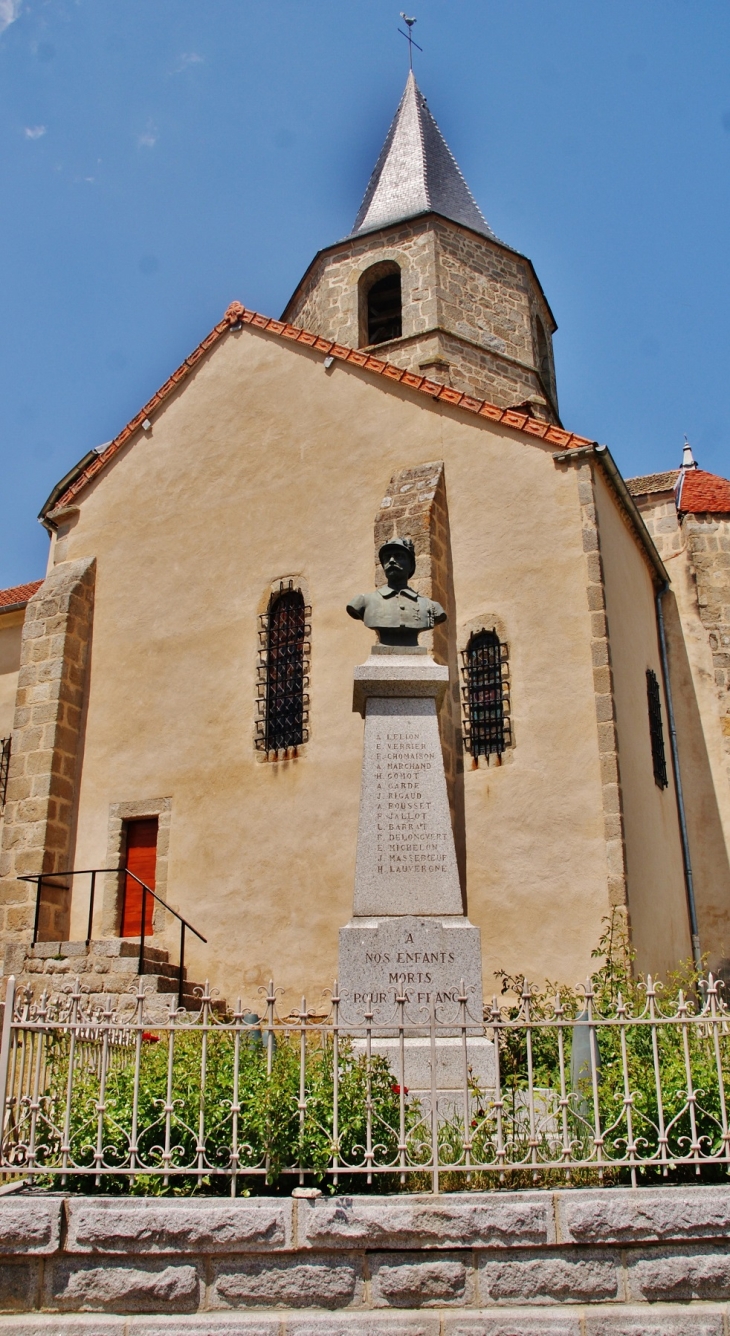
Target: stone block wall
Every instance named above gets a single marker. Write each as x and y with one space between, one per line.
490 296
708 545
415 506
47 731
696 610
703 543
603 1262
452 360
470 309
659 513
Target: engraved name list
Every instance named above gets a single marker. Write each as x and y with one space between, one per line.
405 840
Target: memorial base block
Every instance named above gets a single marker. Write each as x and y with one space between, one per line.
448 1079
424 959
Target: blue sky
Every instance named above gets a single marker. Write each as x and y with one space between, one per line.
160 158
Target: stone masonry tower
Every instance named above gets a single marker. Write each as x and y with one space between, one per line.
423 278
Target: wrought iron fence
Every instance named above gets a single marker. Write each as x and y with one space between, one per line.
434 1098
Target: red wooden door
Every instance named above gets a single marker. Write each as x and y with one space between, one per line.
142 860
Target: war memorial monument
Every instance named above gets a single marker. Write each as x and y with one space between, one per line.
409 937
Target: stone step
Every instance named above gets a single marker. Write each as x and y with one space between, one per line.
113 985
106 968
121 989
121 948
130 948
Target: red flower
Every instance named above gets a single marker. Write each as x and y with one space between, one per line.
396 1089
149 1038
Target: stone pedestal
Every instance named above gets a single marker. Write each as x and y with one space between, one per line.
438 1067
424 959
406 860
408 936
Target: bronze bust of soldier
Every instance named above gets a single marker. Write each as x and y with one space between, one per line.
396 611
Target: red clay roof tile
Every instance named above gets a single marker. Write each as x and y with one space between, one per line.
18 595
238 314
700 493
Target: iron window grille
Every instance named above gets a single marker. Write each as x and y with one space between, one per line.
485 693
4 767
283 672
656 729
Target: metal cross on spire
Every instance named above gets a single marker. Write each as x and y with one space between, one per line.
409 37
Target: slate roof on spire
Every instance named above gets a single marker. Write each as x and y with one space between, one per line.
417 173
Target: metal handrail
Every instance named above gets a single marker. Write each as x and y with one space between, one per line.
5 745
39 879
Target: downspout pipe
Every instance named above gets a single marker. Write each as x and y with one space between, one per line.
686 859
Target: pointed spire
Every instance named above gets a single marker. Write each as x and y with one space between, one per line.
688 459
417 173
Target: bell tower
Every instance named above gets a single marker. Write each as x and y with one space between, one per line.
424 282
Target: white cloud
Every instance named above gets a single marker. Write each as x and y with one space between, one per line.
34 131
149 138
9 11
187 59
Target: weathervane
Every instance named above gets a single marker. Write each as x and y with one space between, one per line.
409 37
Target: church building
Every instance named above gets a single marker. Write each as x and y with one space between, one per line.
176 696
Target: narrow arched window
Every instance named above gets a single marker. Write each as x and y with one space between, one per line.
543 353
285 671
487 703
656 729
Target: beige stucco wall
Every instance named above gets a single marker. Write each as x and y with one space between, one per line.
266 465
656 894
11 630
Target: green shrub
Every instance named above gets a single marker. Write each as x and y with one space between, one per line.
637 1063
272 1134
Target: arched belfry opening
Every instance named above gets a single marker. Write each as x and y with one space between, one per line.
380 302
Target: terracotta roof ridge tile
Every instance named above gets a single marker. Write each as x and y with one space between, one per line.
237 315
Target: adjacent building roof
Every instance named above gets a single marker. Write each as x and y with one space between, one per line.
696 492
700 493
417 173
92 464
18 595
653 482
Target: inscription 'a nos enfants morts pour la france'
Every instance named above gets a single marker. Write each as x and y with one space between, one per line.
414 973
422 960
